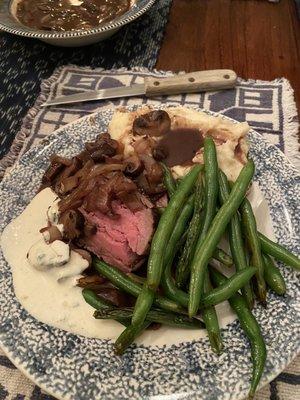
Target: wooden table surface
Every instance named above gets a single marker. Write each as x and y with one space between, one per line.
257 39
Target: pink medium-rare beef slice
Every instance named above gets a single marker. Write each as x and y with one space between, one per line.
123 239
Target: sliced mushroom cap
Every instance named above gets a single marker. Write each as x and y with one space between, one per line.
154 123
103 146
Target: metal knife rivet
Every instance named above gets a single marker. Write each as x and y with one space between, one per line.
226 76
192 79
156 83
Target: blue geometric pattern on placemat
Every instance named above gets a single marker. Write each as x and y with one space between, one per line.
260 104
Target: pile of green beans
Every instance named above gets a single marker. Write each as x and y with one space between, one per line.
217 228
158 245
178 290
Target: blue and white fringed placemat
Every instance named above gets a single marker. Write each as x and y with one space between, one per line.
269 107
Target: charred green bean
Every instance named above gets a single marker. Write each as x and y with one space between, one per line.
182 270
169 181
154 315
99 304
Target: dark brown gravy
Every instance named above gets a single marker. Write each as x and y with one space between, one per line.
181 145
64 15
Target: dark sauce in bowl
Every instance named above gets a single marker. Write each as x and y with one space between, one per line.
69 15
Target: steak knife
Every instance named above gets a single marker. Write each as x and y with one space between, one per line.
192 82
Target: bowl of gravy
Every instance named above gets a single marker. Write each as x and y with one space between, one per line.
69 23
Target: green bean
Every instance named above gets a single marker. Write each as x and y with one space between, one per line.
249 225
279 252
158 245
142 305
122 281
160 210
128 336
169 181
223 257
179 233
136 278
212 298
273 276
251 329
99 304
179 229
154 315
236 240
165 227
210 319
205 251
211 186
182 270
231 285
171 290
93 300
211 194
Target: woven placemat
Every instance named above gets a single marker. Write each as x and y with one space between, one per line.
269 107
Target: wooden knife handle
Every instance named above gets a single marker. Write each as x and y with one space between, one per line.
193 82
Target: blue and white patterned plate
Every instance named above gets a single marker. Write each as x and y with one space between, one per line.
75 367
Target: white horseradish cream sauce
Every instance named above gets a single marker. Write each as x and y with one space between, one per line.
51 295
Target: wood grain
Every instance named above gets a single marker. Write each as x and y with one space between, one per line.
257 39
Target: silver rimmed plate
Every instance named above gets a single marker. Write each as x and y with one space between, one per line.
73 38
71 366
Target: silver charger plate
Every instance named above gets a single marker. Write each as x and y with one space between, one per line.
71 38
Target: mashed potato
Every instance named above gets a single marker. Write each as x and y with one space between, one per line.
229 137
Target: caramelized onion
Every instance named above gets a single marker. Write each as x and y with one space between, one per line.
101 169
66 185
133 166
90 281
